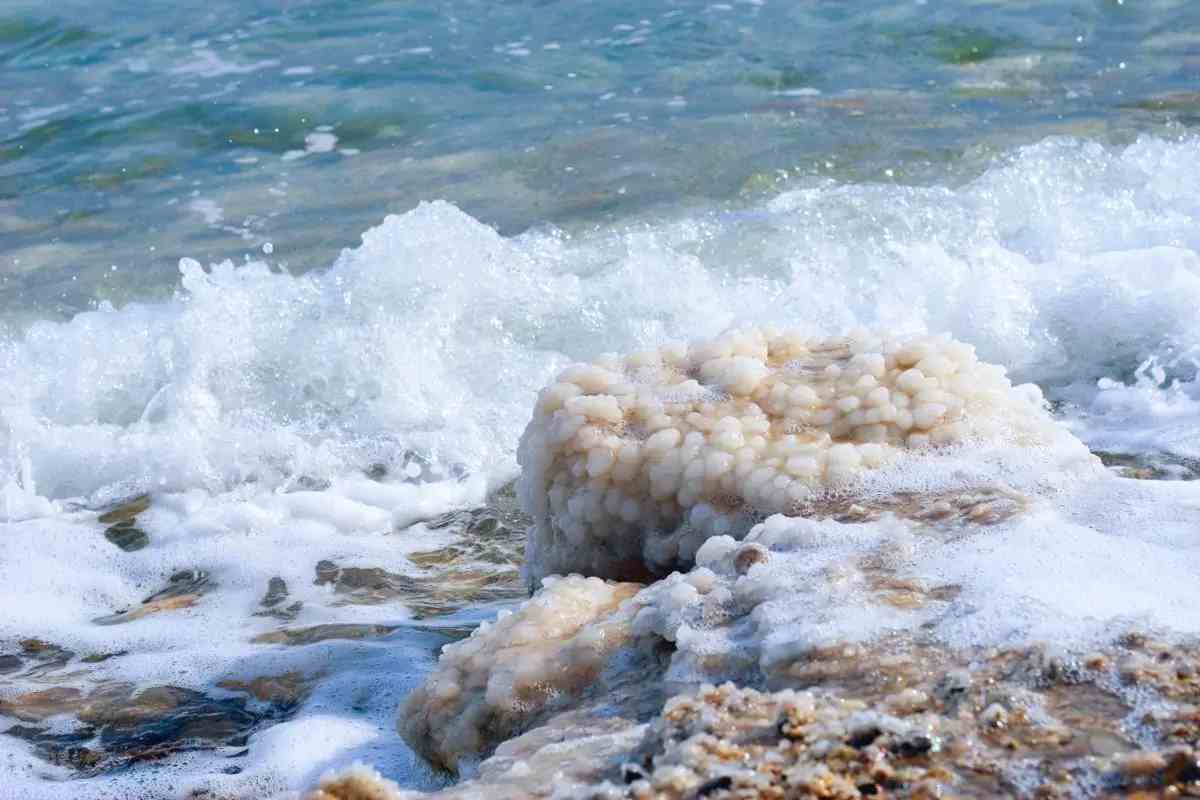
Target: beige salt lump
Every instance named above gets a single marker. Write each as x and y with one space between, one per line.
630 464
494 684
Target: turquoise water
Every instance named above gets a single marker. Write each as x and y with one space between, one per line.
130 137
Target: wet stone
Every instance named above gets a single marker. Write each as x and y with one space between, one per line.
321 633
1182 767
283 691
327 572
713 786
183 589
943 512
912 747
277 593
122 529
120 725
126 512
64 749
45 657
451 578
184 582
127 536
481 565
1156 467
367 585
860 739
38 705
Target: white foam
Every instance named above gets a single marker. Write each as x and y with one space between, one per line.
422 349
1149 414
1076 570
1067 263
59 574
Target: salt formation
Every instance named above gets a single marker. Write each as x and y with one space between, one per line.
630 464
1051 731
358 782
910 722
494 684
937 522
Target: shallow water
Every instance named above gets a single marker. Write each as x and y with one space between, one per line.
131 139
325 440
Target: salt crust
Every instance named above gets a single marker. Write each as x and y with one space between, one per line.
769 403
683 457
981 571
898 718
630 464
496 683
563 757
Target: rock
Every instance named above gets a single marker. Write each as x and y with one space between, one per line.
320 633
125 512
277 592
508 674
282 691
120 724
122 530
183 590
127 536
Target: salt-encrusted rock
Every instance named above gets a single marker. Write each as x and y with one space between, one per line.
797 597
561 759
358 782
897 718
508 674
630 464
891 610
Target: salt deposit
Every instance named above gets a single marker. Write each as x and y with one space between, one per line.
496 683
630 464
933 511
909 719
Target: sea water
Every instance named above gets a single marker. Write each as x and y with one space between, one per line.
278 286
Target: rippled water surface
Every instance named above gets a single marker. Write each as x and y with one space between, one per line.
131 138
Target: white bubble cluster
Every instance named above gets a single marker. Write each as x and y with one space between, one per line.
630 464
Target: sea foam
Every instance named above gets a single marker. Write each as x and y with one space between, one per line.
321 415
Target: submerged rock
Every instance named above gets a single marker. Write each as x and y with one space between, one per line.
122 527
321 633
272 602
119 724
125 512
183 589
